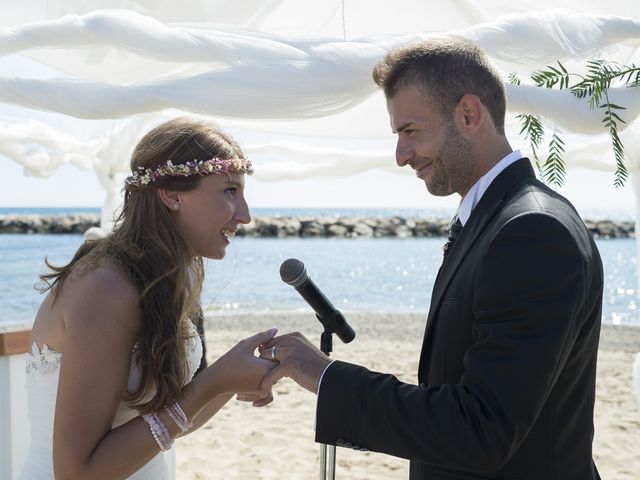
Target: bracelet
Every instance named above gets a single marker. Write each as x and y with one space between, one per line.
164 434
178 416
159 431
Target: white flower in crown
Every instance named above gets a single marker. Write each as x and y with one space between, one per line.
144 177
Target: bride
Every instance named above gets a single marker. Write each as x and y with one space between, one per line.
110 378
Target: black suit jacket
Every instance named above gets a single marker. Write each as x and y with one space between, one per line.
508 363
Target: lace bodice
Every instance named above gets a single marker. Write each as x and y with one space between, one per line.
43 369
42 362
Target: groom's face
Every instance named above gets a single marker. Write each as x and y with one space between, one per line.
429 142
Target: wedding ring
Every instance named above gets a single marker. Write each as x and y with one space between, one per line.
273 354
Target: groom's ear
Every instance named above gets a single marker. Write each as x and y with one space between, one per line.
469 114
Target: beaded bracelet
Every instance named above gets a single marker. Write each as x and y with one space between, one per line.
177 415
159 431
165 436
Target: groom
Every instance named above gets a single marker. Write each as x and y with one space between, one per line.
507 371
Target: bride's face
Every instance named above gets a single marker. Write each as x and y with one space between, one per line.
209 216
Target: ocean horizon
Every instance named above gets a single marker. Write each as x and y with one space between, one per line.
364 274
616 214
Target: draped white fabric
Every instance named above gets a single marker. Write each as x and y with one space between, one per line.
289 77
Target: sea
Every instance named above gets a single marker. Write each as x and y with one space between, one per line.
363 274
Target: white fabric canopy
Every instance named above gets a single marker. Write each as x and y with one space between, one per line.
290 78
252 75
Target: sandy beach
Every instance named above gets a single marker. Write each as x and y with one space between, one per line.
276 442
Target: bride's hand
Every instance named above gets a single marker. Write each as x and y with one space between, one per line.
240 370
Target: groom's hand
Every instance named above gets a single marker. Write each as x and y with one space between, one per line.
298 359
258 400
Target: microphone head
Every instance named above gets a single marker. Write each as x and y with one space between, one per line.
292 271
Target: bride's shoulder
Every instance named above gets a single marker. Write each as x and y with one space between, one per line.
100 291
103 280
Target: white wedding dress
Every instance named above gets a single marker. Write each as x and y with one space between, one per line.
43 368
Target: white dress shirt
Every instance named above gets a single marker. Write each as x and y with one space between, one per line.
476 192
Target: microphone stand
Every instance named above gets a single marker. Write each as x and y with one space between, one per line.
334 322
326 346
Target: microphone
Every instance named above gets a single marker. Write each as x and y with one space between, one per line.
292 271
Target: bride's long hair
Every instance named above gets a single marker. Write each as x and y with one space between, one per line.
146 244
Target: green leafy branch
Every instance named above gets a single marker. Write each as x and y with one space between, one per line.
594 86
553 169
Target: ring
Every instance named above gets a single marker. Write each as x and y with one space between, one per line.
273 354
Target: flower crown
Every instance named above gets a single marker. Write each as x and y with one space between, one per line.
145 176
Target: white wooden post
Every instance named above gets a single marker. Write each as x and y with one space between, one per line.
14 425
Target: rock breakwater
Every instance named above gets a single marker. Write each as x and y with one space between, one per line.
304 226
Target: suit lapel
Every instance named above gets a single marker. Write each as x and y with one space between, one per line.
490 203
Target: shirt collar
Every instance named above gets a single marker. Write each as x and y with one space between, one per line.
475 193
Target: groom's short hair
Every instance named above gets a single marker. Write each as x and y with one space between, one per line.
444 69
